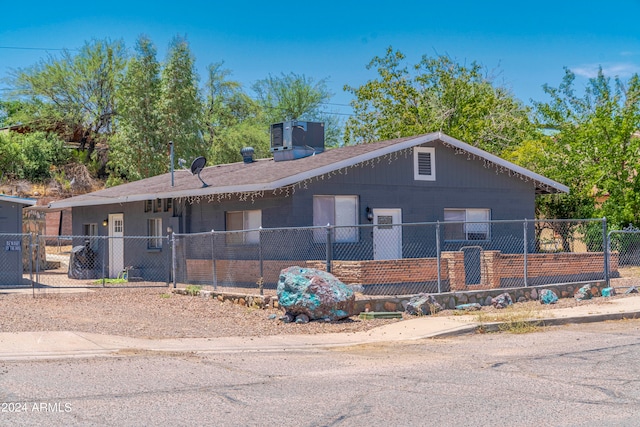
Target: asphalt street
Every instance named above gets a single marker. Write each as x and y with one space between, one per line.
572 375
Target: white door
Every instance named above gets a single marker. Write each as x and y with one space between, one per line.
116 244
387 234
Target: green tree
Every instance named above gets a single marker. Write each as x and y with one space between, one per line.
596 147
73 95
232 120
436 94
297 97
181 106
11 112
139 150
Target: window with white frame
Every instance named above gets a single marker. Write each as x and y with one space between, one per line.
340 211
154 231
468 224
243 220
424 163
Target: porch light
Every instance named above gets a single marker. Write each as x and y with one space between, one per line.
105 222
369 214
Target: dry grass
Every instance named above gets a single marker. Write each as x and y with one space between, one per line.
516 319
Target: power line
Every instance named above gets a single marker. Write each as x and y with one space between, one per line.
33 48
333 103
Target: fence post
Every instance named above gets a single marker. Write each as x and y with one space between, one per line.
37 241
329 248
173 259
33 285
261 279
605 251
525 252
438 259
105 247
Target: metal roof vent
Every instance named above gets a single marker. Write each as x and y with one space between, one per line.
247 154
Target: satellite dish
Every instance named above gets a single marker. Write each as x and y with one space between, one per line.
198 164
196 167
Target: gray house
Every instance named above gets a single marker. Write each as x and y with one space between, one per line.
12 244
425 178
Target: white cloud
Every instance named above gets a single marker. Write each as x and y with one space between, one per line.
622 70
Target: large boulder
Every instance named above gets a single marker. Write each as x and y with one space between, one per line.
314 293
423 304
502 301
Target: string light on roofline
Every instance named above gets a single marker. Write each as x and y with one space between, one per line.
289 190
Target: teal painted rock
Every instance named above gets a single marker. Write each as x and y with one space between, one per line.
502 301
547 296
423 304
314 293
583 293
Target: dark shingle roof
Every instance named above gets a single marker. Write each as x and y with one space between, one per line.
267 174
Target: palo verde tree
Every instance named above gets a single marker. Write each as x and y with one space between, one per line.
596 147
139 150
232 120
436 94
297 97
73 95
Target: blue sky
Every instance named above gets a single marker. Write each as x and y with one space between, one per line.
528 42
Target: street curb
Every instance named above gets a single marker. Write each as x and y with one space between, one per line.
551 321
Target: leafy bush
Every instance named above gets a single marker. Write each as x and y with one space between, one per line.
30 156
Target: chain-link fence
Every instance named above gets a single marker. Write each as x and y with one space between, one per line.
383 259
394 259
45 261
624 248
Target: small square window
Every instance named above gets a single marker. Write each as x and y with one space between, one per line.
147 205
168 205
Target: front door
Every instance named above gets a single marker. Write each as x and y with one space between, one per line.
387 234
116 244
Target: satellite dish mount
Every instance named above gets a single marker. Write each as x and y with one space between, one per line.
196 167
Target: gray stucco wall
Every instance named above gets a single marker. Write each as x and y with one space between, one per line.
461 182
152 264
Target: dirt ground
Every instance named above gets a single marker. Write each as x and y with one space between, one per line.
158 313
152 313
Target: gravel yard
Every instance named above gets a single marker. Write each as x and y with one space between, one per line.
157 313
152 313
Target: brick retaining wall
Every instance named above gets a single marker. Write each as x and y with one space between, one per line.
495 267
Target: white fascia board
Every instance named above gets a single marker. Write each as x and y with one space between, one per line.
20 200
206 191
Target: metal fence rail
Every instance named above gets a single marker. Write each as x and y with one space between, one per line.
383 259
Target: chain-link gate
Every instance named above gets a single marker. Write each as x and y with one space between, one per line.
45 261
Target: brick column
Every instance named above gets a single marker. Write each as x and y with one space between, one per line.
455 267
